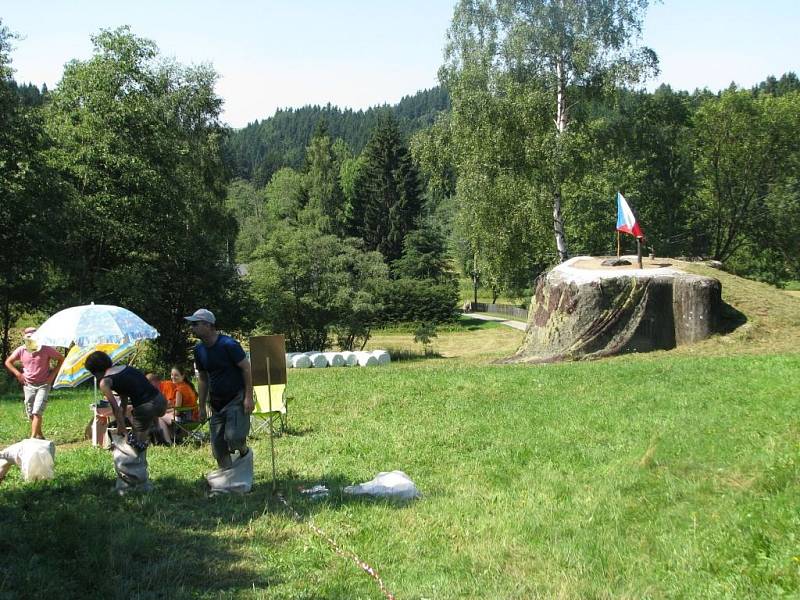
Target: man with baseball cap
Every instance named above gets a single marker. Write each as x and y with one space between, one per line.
223 379
36 377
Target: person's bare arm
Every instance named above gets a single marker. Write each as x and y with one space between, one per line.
244 365
54 373
202 392
119 410
12 368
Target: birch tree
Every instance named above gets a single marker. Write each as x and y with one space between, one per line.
555 47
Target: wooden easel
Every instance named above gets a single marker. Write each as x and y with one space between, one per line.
268 367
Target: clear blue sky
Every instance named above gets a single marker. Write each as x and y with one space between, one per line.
358 53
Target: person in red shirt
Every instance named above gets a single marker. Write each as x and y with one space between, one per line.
36 377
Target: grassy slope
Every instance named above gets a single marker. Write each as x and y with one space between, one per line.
672 474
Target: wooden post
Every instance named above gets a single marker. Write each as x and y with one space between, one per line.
639 251
269 418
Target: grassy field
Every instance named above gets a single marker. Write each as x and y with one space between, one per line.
665 475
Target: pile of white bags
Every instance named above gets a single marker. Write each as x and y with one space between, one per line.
319 360
35 458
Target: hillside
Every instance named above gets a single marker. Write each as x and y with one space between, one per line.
256 151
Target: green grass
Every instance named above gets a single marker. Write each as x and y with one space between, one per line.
793 286
626 478
663 475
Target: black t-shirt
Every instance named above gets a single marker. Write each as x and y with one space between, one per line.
221 362
132 383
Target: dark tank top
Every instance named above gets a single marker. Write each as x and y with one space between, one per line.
132 383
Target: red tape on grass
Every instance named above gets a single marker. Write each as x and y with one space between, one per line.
341 552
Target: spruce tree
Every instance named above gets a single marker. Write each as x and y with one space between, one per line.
387 193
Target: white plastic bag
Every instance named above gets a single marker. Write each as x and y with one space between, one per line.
237 479
392 484
35 458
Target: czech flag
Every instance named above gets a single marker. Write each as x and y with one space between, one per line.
626 222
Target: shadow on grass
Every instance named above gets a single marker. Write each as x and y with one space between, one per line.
407 356
74 538
471 324
730 319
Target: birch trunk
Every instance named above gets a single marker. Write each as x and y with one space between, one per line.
562 121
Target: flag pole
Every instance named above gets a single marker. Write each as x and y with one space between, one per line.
639 250
617 243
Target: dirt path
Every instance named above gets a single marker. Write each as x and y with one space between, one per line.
510 323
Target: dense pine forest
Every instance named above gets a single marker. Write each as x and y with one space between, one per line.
323 223
255 152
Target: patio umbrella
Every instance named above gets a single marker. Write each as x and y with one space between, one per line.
93 324
73 373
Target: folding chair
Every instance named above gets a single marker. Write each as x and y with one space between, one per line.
185 428
271 411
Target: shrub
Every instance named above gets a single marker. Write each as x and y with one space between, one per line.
413 300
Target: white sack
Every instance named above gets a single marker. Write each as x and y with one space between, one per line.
35 458
393 484
131 467
238 479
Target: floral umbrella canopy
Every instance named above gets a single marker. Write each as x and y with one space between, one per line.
93 324
73 373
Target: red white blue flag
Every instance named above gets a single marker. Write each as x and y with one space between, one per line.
626 222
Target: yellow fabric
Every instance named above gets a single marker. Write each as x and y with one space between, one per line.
261 396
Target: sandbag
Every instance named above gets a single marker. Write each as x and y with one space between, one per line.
131 467
392 484
237 479
34 457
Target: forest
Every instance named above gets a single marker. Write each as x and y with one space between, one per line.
122 185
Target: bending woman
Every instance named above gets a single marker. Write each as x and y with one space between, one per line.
132 386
